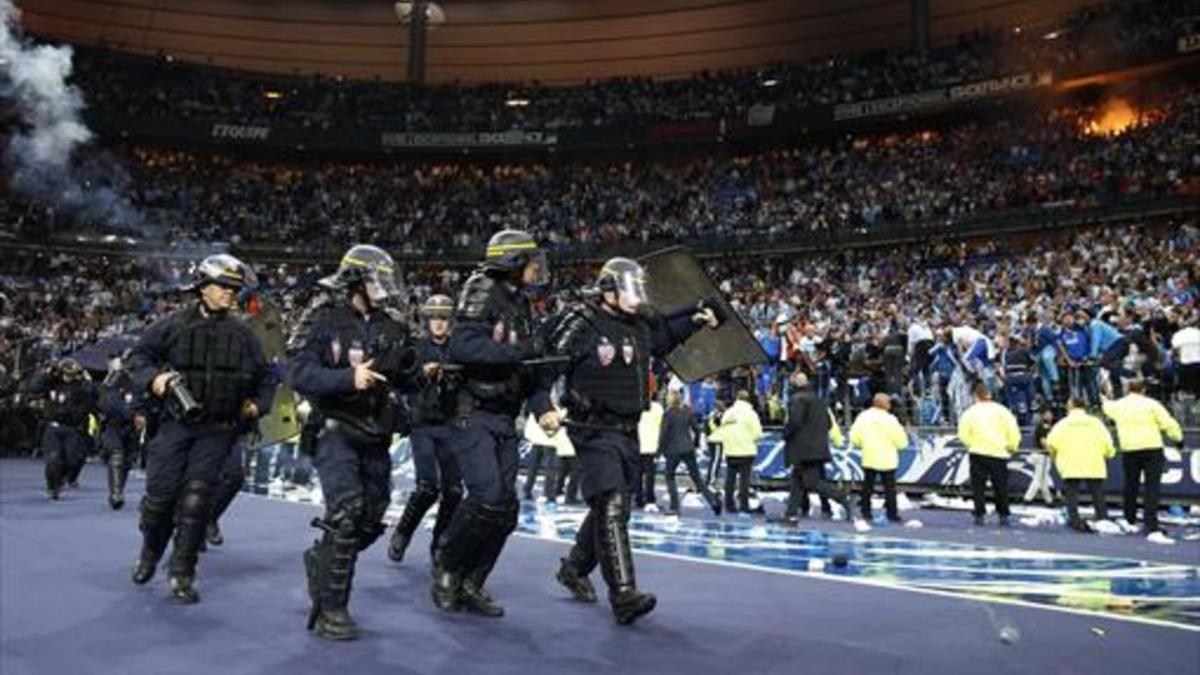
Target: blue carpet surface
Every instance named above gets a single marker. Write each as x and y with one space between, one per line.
67 606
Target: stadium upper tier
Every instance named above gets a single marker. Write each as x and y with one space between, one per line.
166 88
1044 163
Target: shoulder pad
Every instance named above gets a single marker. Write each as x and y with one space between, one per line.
396 315
570 327
474 301
304 327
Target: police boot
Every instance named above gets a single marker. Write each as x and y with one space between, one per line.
156 526
212 534
616 562
116 480
581 560
330 569
183 589
579 586
422 497
475 598
461 548
447 586
54 475
472 596
451 497
189 534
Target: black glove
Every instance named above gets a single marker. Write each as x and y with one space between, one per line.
576 403
396 360
717 306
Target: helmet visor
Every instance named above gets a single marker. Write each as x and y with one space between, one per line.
381 285
537 269
631 289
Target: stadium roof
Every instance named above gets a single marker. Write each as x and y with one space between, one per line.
554 41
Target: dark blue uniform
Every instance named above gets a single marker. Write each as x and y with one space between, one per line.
65 441
118 437
607 391
493 334
437 474
351 455
222 365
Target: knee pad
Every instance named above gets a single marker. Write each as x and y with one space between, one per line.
194 497
614 505
154 508
345 516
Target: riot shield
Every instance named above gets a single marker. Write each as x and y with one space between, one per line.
675 281
280 423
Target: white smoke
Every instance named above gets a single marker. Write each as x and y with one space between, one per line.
41 153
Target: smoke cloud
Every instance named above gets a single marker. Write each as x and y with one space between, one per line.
41 153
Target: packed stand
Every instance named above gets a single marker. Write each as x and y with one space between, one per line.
1036 162
165 89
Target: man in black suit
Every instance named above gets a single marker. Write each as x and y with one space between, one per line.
807 437
677 443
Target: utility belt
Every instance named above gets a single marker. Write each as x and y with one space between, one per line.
358 435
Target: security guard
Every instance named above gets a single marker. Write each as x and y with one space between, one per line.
809 429
649 431
120 424
350 356
991 435
1080 444
738 434
881 437
1141 423
493 334
208 370
72 399
432 408
610 341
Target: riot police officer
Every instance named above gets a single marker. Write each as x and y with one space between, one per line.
432 407
610 341
349 356
120 425
209 373
71 399
493 335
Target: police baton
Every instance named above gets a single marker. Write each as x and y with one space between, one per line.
539 362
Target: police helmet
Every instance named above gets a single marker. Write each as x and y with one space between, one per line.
224 270
437 307
512 250
627 279
70 369
370 266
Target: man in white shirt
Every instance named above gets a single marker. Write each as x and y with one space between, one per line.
920 341
1186 346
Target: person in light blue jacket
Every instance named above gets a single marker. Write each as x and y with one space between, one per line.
1108 348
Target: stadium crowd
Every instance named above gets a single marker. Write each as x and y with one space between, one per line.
1034 161
1037 320
1092 38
